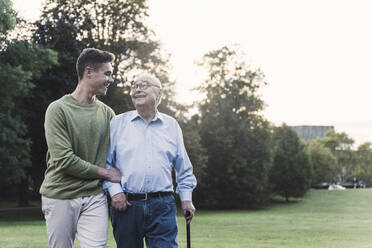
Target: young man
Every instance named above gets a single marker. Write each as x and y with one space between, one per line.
145 145
77 134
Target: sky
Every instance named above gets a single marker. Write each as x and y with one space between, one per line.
316 55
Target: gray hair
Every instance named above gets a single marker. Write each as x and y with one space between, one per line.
152 80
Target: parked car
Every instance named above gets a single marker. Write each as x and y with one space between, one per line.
353 185
323 185
336 187
348 185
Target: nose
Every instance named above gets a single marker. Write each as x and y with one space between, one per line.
136 89
111 80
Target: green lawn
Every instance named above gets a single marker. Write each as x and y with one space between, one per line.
323 219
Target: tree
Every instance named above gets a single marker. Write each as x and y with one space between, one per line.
363 168
342 147
7 18
291 172
20 63
235 135
114 25
323 162
194 147
69 26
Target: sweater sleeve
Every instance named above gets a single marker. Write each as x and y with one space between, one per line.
60 146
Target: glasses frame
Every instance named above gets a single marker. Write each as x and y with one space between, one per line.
142 85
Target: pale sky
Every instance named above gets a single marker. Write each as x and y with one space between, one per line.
316 54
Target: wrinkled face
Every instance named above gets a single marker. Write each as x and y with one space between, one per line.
145 93
100 78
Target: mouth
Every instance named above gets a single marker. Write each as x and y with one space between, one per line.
139 96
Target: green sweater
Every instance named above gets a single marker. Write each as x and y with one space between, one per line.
77 136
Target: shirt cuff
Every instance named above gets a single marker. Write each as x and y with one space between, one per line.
114 189
185 195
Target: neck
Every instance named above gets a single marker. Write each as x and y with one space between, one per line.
82 94
146 113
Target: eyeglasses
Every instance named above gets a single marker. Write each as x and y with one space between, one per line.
142 86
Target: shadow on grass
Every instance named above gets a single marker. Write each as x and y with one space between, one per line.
277 200
26 214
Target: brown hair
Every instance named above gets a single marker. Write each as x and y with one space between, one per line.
92 57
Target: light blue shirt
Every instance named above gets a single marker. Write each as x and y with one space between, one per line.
145 154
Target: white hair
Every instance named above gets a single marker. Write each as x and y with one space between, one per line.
152 80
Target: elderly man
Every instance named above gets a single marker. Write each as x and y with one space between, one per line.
145 145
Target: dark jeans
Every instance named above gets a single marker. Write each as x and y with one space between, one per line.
153 219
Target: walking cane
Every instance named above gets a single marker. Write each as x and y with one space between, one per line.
188 230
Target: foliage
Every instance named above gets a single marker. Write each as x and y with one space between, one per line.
20 62
195 150
114 25
323 162
7 17
291 172
235 135
363 169
341 146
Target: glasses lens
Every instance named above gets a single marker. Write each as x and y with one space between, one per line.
141 86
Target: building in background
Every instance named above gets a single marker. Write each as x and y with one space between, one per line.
312 132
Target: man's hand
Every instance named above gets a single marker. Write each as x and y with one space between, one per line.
188 206
119 202
113 175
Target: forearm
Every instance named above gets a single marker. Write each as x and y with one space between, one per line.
72 165
111 174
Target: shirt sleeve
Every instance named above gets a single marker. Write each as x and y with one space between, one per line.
185 178
60 146
112 188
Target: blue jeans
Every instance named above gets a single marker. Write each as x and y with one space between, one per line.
153 219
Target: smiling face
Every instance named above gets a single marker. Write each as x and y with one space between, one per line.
145 93
100 78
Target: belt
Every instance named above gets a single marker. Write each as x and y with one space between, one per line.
145 196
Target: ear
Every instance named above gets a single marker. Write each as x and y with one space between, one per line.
88 72
160 94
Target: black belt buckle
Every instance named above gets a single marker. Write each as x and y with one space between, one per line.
137 197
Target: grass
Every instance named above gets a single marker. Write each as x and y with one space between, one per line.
323 219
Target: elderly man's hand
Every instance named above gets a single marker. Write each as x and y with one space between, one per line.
188 206
120 202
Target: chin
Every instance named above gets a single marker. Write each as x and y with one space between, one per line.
140 101
102 93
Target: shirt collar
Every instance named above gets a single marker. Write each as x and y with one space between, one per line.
157 116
